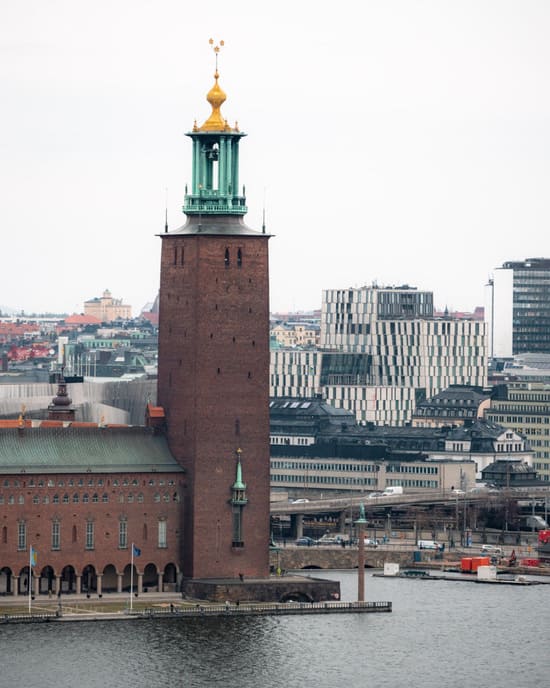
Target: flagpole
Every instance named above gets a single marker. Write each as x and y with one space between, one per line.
132 578
30 577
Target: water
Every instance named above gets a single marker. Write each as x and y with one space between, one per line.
440 634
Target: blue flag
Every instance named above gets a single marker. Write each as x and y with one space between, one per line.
33 556
136 551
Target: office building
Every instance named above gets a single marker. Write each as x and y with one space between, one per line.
518 308
382 352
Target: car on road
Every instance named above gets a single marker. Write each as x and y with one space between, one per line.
371 542
493 550
301 501
330 540
305 542
373 495
457 492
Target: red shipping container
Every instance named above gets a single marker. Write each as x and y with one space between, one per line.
480 561
466 564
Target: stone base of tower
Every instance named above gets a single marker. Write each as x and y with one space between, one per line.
272 589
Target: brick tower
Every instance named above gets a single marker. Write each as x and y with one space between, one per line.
213 378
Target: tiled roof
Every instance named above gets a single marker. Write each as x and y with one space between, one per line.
81 447
80 319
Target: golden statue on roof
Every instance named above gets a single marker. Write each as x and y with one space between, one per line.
216 97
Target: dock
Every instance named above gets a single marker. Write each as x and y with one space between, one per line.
417 574
172 611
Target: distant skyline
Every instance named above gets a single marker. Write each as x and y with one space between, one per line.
396 141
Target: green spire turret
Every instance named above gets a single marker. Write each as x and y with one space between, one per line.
214 187
362 519
239 487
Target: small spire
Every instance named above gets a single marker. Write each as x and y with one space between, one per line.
166 213
238 484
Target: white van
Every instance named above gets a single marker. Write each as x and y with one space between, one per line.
394 490
428 544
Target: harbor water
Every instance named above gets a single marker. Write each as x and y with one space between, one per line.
440 634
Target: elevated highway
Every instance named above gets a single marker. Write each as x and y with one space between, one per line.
338 504
346 508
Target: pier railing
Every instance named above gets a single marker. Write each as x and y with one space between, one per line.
280 608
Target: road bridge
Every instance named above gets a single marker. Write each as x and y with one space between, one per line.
348 506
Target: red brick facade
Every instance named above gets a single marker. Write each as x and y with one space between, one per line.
214 386
82 526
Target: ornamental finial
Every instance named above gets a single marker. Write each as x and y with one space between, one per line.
216 48
216 97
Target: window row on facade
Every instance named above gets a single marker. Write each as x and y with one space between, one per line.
95 498
307 466
81 482
310 480
89 534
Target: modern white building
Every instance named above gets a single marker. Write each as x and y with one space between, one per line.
382 352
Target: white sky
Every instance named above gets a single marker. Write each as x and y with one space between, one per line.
397 141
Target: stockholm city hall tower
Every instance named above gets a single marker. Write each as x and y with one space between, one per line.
213 373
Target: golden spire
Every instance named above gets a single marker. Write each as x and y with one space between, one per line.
216 97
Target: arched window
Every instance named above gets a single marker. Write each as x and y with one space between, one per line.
239 258
226 260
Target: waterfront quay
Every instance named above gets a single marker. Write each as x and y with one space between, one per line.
166 606
335 557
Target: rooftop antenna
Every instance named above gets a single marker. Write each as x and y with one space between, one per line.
263 216
166 211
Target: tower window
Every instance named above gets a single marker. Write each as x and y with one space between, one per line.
239 258
162 534
226 260
90 540
21 535
56 540
122 534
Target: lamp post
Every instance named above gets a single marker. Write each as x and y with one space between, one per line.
360 523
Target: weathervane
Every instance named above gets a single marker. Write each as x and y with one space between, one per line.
216 49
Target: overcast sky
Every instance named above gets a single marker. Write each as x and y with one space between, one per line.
396 141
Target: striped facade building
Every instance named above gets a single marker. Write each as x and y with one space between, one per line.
381 353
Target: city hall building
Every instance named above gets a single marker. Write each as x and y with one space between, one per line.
186 496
